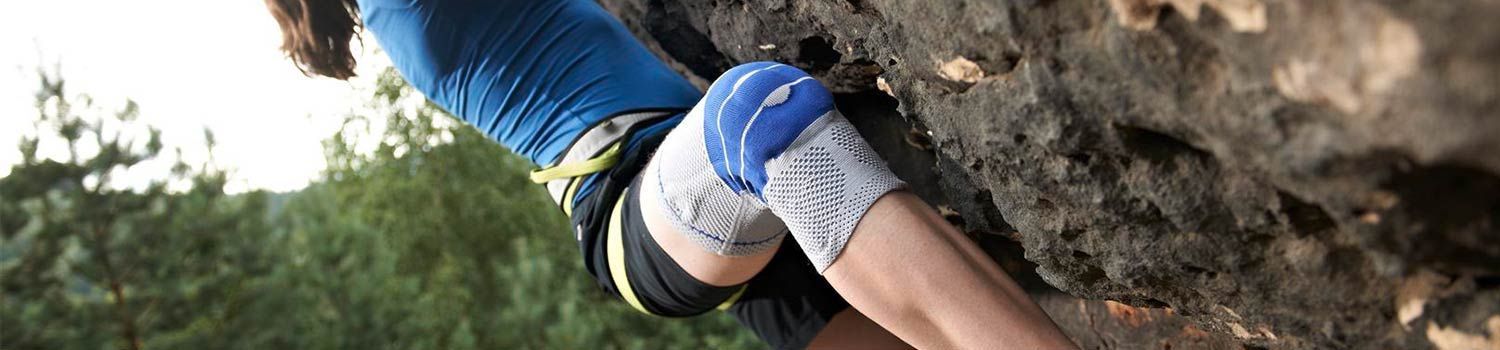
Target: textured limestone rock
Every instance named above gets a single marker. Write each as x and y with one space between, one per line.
1284 174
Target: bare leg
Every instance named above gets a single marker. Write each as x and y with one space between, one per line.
898 262
850 329
916 275
710 268
906 268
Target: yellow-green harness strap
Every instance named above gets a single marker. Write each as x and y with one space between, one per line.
616 252
621 275
592 165
733 298
595 150
572 173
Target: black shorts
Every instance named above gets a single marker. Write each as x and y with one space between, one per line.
786 304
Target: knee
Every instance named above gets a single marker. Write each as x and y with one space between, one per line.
767 95
752 114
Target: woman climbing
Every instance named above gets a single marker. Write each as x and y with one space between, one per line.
683 200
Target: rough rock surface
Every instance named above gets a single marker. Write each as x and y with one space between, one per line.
1270 174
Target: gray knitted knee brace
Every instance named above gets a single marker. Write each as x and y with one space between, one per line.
766 139
823 184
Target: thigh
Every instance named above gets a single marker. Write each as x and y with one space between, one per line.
785 302
788 304
705 266
649 279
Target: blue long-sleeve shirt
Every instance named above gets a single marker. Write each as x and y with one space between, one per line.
530 74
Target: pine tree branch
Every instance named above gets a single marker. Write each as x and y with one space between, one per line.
122 311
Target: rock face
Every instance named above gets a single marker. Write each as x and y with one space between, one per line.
1282 174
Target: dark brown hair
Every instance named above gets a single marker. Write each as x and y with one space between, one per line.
315 34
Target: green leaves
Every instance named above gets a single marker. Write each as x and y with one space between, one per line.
88 264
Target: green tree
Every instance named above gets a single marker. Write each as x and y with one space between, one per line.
431 239
85 263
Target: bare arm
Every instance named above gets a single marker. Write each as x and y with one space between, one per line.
916 275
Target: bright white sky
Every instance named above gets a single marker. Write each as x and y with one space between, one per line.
189 64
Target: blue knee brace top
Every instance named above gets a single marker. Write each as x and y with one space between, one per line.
531 74
752 113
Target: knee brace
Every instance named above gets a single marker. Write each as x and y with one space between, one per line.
765 152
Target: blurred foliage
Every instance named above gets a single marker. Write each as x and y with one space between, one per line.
424 235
